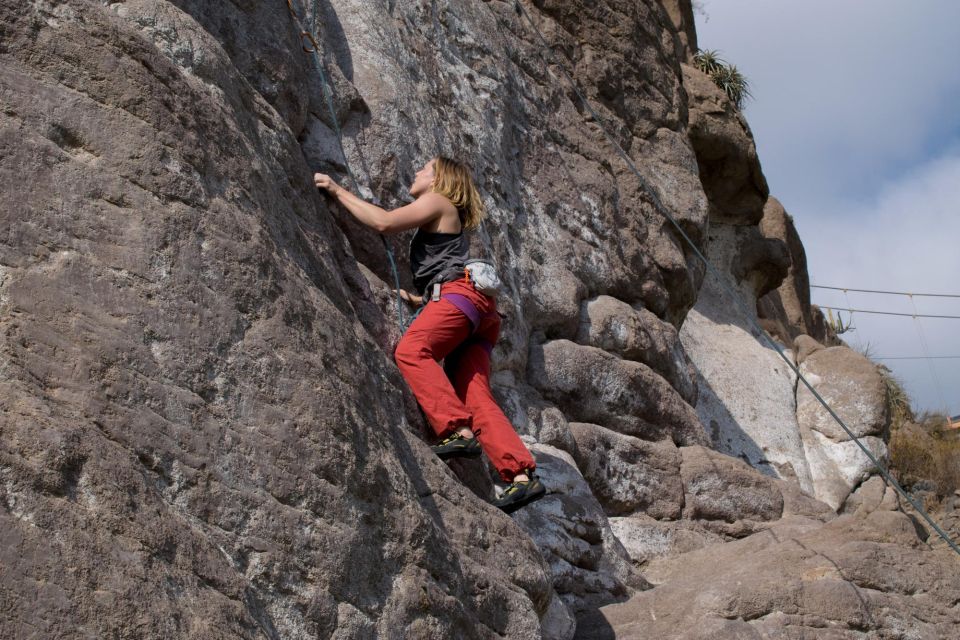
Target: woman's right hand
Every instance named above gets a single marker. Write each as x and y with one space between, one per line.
409 297
323 181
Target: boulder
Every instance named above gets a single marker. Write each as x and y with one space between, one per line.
591 385
637 334
628 475
746 390
718 487
852 386
852 577
588 565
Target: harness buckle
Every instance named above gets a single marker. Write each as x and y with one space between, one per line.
436 292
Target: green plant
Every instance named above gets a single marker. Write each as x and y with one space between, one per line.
708 61
837 324
724 75
734 84
897 399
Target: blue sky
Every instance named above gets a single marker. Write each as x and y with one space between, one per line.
856 114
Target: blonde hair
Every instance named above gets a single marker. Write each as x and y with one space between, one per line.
452 179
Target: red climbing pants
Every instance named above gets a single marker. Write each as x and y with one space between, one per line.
458 394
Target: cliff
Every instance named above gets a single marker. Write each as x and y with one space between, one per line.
203 431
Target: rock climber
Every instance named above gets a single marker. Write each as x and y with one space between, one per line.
456 323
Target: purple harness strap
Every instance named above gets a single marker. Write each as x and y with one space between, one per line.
470 310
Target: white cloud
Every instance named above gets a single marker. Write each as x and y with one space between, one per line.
905 239
856 123
842 90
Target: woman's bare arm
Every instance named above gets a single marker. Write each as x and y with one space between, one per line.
419 212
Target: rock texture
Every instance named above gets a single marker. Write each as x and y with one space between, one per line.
746 390
853 388
192 338
862 575
203 434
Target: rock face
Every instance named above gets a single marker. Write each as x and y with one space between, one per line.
750 399
192 338
858 576
203 431
746 390
852 386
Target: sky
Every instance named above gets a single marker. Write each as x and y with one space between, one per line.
856 116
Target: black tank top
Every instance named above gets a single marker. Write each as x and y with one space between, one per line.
437 256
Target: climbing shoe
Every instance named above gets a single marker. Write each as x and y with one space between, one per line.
519 494
457 446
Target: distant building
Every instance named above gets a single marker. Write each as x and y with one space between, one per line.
954 422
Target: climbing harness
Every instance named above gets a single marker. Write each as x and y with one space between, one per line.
314 49
658 205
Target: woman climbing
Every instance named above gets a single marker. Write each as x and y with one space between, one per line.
458 324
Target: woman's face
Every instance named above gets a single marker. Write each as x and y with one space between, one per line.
423 180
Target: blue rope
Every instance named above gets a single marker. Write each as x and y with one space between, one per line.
736 299
328 94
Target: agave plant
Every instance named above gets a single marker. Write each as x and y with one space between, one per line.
734 84
898 401
709 61
726 76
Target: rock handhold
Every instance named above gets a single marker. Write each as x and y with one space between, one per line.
591 385
629 475
719 487
638 334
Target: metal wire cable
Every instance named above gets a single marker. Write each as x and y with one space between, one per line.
896 293
926 352
889 313
916 357
658 204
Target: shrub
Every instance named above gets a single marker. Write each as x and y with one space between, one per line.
897 399
918 457
708 61
726 76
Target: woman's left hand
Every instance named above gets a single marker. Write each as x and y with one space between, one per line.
409 297
323 181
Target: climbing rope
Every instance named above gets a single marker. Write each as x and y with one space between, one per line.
658 205
314 49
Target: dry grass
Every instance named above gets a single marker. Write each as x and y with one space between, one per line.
922 455
897 399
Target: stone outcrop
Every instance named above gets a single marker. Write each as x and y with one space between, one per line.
203 431
592 385
727 156
746 390
637 334
199 394
853 388
630 475
786 311
588 563
865 574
